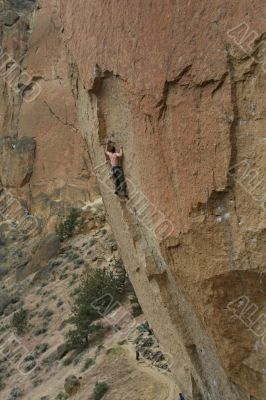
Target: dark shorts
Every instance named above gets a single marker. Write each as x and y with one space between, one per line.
119 179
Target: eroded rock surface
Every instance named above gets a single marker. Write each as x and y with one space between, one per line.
16 161
37 106
45 249
181 85
168 81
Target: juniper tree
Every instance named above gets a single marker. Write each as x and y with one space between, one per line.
97 297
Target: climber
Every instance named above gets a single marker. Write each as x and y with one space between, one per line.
181 397
117 171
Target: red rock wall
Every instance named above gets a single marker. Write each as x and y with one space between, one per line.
168 82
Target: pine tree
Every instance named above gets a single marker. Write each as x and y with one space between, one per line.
97 297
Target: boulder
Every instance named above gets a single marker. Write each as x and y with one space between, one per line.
47 248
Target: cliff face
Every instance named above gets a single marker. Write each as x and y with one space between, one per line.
181 86
168 81
44 161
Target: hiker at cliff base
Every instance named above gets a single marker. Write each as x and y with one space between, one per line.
117 171
181 397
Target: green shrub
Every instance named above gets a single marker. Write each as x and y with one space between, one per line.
67 361
9 309
20 321
55 263
63 324
88 363
75 291
67 227
46 313
36 382
15 393
2 383
41 348
61 396
78 263
100 389
63 276
3 328
73 279
40 331
136 308
72 256
91 241
77 359
59 303
148 342
74 357
143 327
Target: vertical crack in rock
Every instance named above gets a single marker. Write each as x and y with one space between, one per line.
162 103
21 14
60 119
235 119
220 83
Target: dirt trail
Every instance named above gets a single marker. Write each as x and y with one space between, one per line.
155 373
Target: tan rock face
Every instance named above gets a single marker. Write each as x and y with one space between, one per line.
168 82
36 102
16 161
47 248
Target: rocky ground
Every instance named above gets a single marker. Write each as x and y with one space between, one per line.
36 364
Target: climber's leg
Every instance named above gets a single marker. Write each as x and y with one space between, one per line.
119 180
116 177
122 183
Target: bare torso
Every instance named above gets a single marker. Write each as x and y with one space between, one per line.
115 159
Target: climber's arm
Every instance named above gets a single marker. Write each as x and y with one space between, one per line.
120 154
106 150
